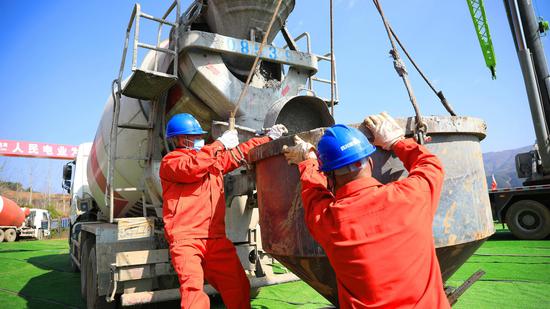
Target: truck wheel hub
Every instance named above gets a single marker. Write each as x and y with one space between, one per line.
529 220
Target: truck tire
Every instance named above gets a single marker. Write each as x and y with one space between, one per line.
39 234
93 300
528 219
84 254
1 235
10 235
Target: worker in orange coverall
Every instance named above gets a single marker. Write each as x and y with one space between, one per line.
378 238
194 211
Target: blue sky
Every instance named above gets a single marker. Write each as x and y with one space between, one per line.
58 58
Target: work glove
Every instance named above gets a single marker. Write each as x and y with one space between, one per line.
229 139
276 131
385 129
301 151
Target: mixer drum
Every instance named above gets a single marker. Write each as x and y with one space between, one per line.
462 223
11 214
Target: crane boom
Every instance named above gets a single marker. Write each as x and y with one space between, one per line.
477 10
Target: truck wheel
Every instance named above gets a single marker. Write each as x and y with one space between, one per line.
93 300
528 219
39 234
10 235
1 235
84 254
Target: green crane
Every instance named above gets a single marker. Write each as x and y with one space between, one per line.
477 10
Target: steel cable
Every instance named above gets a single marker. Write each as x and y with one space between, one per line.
420 129
439 94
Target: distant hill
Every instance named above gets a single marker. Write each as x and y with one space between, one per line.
502 165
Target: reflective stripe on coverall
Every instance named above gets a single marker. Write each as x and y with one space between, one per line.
194 214
378 238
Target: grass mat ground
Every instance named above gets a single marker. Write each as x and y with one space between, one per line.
35 274
517 274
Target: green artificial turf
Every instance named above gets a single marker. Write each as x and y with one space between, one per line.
517 274
35 274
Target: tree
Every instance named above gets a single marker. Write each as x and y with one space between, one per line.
54 213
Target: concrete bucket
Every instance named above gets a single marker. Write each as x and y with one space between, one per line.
462 223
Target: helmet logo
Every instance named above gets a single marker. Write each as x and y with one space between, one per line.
354 142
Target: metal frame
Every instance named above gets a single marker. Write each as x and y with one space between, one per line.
454 294
325 57
193 40
135 19
138 298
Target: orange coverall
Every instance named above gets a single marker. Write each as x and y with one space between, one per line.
378 238
194 223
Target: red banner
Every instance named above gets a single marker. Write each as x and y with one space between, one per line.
37 150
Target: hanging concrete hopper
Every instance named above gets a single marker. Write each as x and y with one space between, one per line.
462 223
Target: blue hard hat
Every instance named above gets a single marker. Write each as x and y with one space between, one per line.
183 124
341 146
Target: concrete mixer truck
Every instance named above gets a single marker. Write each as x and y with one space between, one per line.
117 240
16 222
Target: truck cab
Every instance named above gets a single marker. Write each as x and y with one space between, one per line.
37 225
75 183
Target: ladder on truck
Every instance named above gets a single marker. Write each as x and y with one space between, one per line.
291 44
142 84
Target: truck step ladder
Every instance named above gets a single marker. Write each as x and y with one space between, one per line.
143 84
291 44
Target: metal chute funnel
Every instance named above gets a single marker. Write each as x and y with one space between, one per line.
241 18
245 19
299 114
462 223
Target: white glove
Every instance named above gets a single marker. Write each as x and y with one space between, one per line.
276 131
229 139
385 129
299 152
